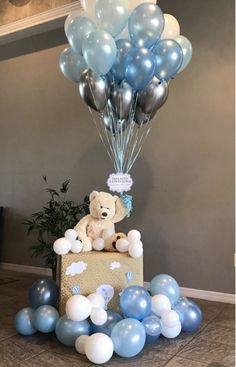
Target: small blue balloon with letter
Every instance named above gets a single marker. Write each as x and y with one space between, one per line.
24 321
165 284
135 302
152 325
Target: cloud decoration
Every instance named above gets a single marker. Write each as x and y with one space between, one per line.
115 265
76 268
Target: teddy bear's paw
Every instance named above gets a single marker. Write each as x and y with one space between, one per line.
111 242
87 245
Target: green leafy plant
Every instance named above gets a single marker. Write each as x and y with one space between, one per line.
58 215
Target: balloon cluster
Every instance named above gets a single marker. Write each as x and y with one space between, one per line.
98 333
123 54
68 243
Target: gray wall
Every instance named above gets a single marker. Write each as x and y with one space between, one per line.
184 178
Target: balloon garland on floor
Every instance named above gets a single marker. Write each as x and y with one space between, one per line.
123 55
98 333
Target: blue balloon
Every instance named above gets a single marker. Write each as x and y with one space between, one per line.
135 302
169 58
192 318
112 319
152 325
151 339
146 24
67 331
128 337
72 64
187 51
118 69
112 15
45 318
99 50
24 321
77 31
43 292
165 284
139 67
180 307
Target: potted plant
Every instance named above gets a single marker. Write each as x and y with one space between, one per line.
50 223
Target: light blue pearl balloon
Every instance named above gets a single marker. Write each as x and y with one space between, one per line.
146 24
187 51
72 65
45 319
139 67
180 307
128 337
112 15
112 319
118 69
24 321
191 318
165 284
152 325
99 51
67 331
77 31
169 58
135 302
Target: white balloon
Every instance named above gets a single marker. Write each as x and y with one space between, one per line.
160 304
62 246
171 28
135 250
98 316
80 343
97 300
98 244
71 234
99 348
76 246
78 308
171 332
122 245
134 235
107 233
170 318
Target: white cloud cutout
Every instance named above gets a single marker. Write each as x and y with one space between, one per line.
76 268
115 265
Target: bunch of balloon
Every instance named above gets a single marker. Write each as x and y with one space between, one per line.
123 54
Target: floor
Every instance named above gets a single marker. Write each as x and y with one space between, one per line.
212 346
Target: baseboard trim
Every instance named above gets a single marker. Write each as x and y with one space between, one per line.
186 292
25 269
202 294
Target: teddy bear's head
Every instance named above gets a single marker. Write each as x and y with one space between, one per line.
102 205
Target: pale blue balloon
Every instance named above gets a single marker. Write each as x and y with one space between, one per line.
118 69
24 322
165 284
152 325
128 337
112 15
78 30
191 319
146 24
139 67
181 306
112 319
169 58
187 51
45 319
72 64
67 331
135 302
99 51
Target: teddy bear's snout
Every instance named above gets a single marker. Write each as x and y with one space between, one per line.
104 214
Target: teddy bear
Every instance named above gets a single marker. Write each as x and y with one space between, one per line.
105 210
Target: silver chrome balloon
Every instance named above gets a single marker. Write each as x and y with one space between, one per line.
121 99
142 118
152 98
94 89
113 125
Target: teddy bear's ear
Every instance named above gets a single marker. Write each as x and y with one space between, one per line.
93 195
115 198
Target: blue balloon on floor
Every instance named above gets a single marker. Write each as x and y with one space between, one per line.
135 302
165 284
128 337
43 292
152 325
180 307
23 321
45 319
192 318
67 331
112 319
